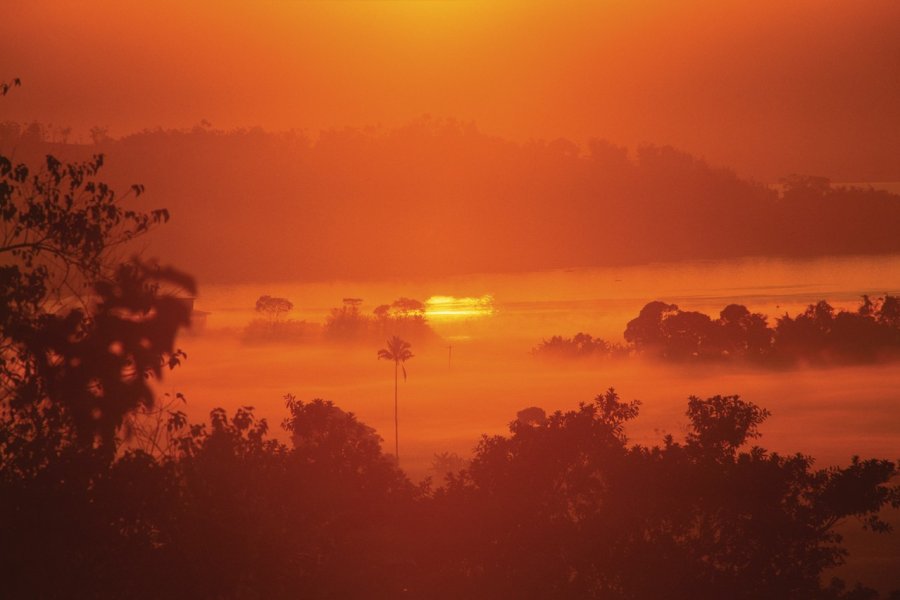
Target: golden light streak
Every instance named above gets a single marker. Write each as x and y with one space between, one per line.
451 307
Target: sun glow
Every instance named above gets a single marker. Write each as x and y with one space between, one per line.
451 307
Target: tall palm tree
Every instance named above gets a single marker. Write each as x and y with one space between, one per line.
398 351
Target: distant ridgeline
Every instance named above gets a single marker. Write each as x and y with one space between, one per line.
818 336
439 197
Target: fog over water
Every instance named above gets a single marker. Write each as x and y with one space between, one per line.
829 413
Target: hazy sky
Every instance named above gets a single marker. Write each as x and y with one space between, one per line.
806 85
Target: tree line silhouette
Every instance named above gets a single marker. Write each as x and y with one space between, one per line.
404 317
465 201
563 506
272 327
348 323
820 335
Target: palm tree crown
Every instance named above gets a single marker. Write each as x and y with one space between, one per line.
398 350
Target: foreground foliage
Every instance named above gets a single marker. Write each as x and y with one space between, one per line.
566 508
80 331
81 335
561 507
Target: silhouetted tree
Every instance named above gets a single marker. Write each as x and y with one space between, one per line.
533 415
320 517
404 317
568 508
346 323
582 345
446 465
62 227
398 351
273 328
273 307
408 307
689 335
81 334
744 334
819 335
645 332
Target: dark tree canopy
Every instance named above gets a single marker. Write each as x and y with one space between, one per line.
405 317
80 331
820 335
581 345
564 506
273 307
567 508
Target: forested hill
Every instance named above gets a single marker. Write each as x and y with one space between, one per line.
440 198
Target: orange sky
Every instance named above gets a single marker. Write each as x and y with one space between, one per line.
766 87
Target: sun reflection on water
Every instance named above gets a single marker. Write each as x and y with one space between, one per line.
445 308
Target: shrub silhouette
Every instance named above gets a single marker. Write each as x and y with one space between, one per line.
568 509
561 507
818 336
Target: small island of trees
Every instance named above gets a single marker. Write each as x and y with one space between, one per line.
819 336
